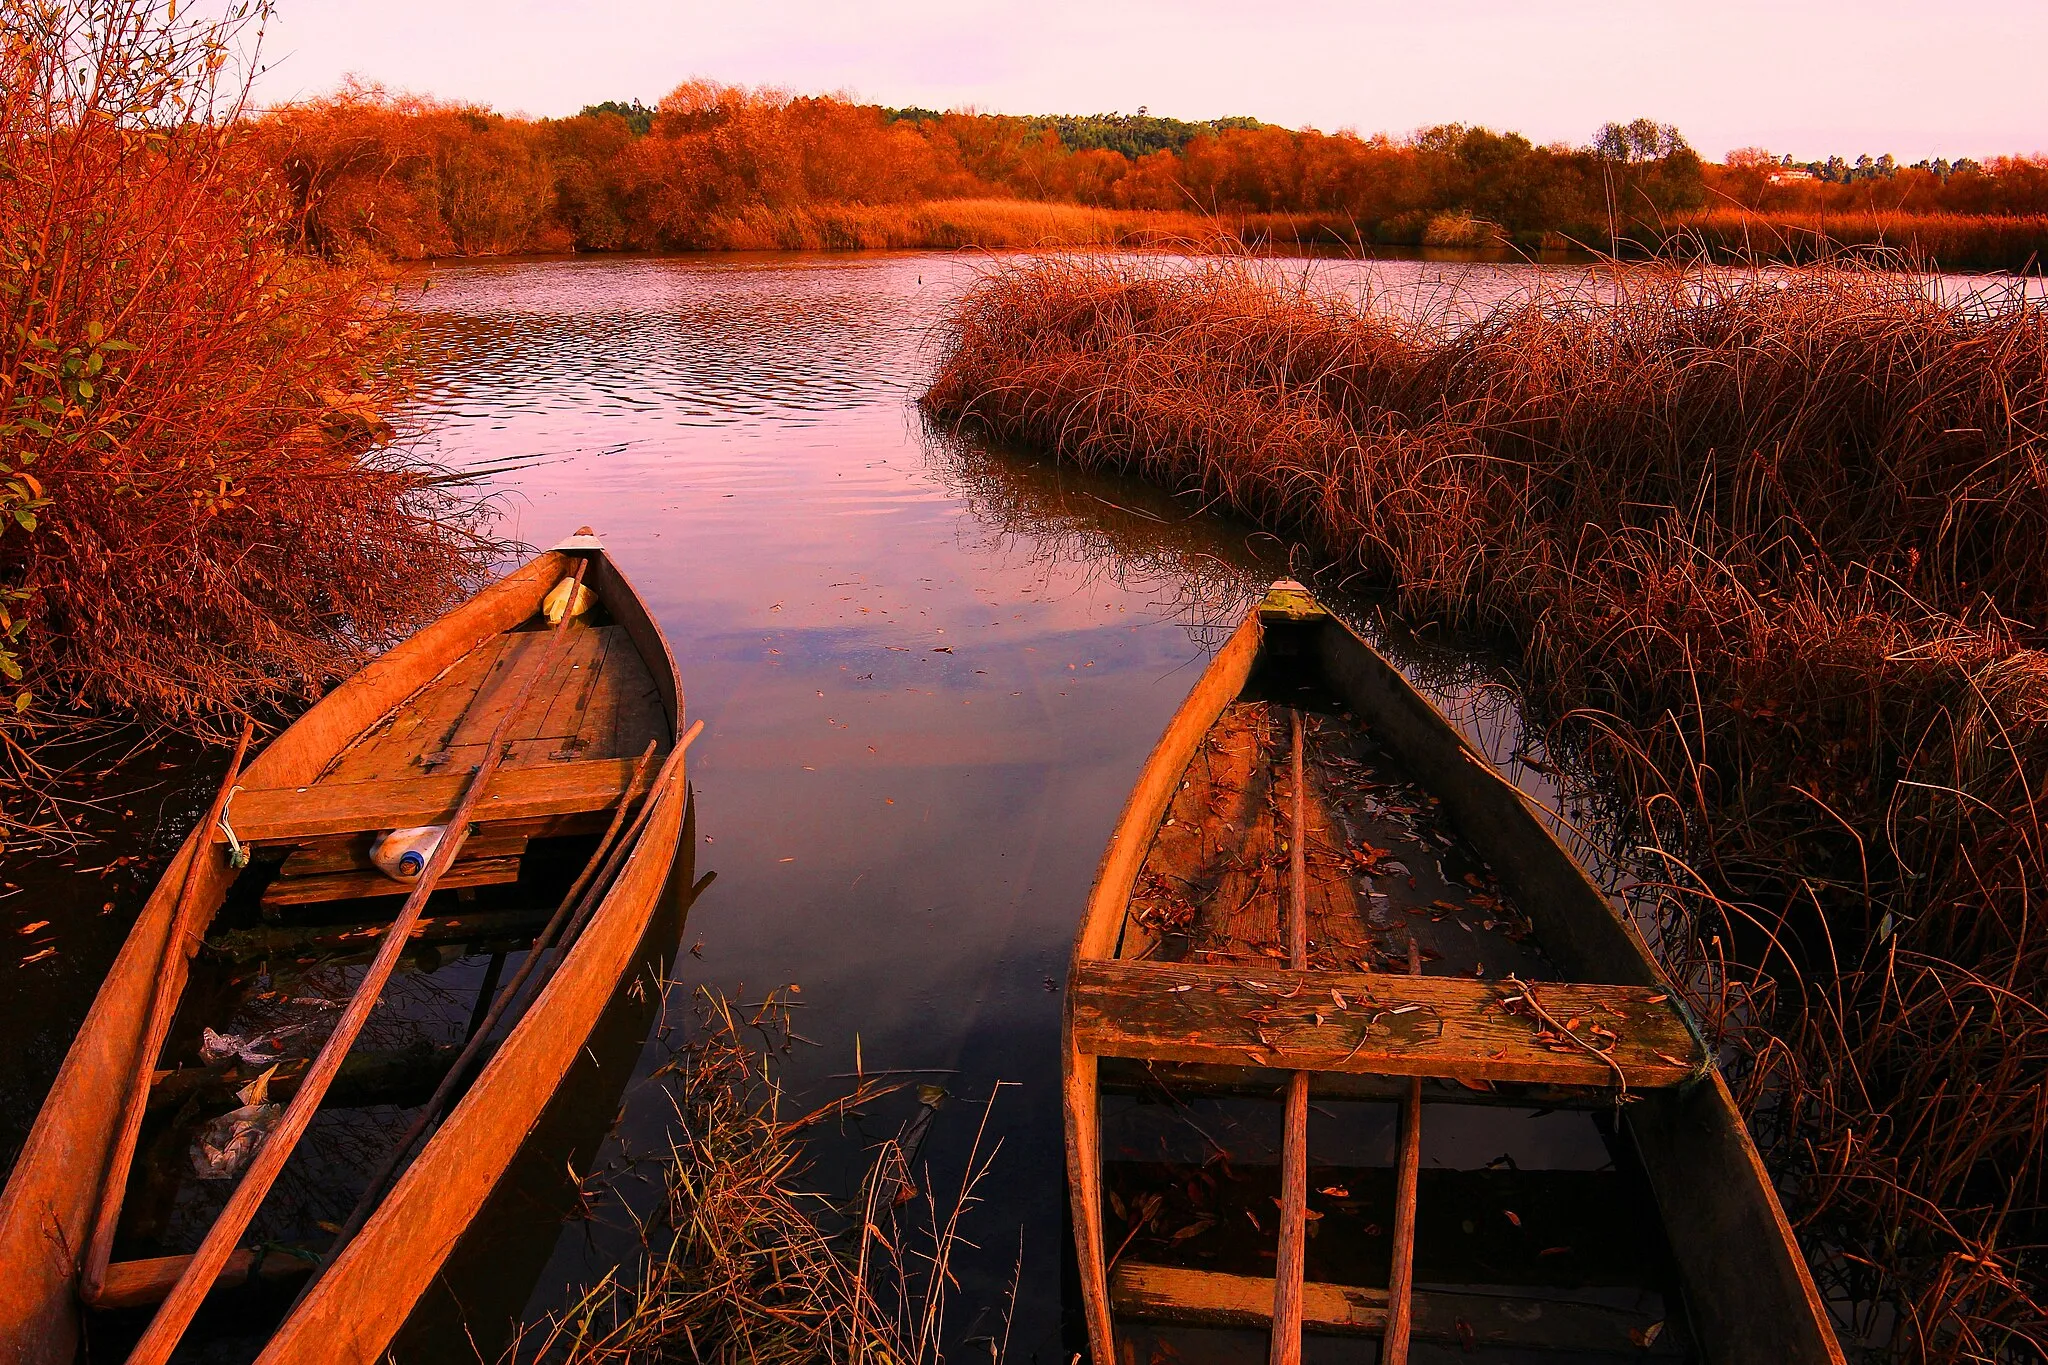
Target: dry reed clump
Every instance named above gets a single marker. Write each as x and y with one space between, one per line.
739 1266
1958 241
1774 549
210 515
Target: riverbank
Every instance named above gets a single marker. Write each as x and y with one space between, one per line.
204 512
1771 554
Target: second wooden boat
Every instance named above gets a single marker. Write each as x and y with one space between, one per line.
1319 889
539 725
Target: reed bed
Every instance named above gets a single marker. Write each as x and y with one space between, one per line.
205 513
1954 241
739 1264
1772 548
996 224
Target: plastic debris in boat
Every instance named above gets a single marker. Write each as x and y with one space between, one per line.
403 854
225 1146
557 601
219 1047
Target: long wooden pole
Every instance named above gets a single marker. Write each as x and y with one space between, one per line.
178 1308
1407 1169
589 884
179 944
1288 1267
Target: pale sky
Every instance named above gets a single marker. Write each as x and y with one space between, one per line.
1812 77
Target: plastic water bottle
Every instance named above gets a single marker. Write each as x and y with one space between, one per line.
404 853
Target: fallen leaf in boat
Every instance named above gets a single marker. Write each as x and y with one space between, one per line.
38 957
1555 1251
1194 1229
1646 1337
931 1096
1655 999
258 1090
1335 1191
1512 1216
31 928
1673 1060
1467 1342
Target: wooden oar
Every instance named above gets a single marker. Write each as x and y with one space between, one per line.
175 1314
589 885
179 944
1285 1348
1407 1168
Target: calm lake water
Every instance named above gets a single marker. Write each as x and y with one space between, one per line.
928 675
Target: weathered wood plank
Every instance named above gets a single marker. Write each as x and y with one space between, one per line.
640 715
1159 1293
137 1284
1208 1298
352 853
418 724
246 945
1130 1077
291 815
1411 1026
322 887
525 654
585 672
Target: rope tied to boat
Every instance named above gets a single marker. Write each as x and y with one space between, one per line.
1705 1066
238 852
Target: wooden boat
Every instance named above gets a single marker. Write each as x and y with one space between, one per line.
1247 936
524 737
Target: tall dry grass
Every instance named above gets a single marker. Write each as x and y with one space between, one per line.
1773 550
206 512
1955 241
740 1266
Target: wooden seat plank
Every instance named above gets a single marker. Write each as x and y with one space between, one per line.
137 1284
1208 1298
352 853
320 887
295 815
1453 1027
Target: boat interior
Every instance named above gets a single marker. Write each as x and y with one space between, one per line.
289 943
1531 1229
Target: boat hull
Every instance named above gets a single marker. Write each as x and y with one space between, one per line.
1748 1291
53 1191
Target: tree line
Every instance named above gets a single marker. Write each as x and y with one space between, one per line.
406 176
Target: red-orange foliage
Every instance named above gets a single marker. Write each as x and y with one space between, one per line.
196 404
408 177
724 166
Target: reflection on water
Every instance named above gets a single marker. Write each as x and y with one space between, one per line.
928 673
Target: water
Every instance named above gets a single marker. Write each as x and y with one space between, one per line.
928 676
